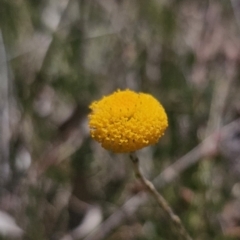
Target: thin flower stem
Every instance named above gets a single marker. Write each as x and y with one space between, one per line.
160 199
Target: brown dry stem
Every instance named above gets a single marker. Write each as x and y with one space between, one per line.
160 199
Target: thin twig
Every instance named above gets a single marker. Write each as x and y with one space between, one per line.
160 199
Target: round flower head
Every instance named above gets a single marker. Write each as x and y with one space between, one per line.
126 121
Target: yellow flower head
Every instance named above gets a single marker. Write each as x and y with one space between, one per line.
126 121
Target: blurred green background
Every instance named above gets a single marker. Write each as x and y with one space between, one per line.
57 56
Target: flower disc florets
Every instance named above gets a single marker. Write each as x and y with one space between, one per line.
126 121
